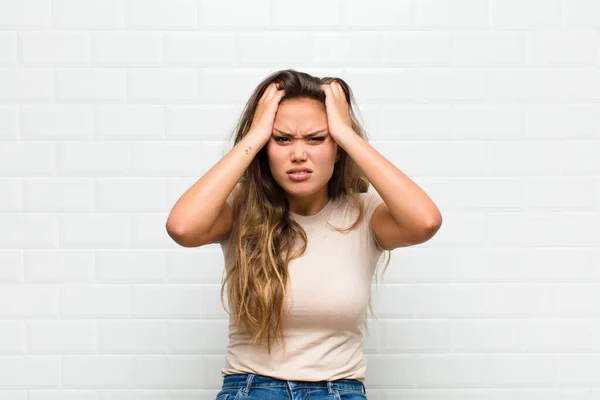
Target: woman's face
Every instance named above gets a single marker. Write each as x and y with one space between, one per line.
300 117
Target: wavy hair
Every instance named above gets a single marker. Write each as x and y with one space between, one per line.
263 233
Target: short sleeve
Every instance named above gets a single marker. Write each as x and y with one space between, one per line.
229 199
371 201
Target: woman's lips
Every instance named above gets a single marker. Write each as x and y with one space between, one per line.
299 176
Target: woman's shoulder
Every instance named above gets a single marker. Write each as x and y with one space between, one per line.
370 201
371 196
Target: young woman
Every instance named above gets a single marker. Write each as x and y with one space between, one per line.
301 236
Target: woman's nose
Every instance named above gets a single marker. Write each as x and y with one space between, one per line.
298 150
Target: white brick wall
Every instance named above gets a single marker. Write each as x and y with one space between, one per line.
110 109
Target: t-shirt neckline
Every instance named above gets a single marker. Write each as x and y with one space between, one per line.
316 217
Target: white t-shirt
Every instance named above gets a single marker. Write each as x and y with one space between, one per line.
327 298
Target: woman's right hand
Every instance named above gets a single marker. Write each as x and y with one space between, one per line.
264 116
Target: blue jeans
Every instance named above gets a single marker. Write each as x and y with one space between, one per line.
259 387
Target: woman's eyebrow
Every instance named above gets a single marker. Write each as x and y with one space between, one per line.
307 135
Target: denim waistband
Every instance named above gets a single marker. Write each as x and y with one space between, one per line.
249 381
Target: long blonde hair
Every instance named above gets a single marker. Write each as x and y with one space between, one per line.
263 233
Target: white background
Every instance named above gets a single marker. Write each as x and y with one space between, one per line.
111 109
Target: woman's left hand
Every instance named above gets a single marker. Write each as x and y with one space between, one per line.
338 115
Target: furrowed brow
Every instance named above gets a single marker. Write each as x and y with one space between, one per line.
307 135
